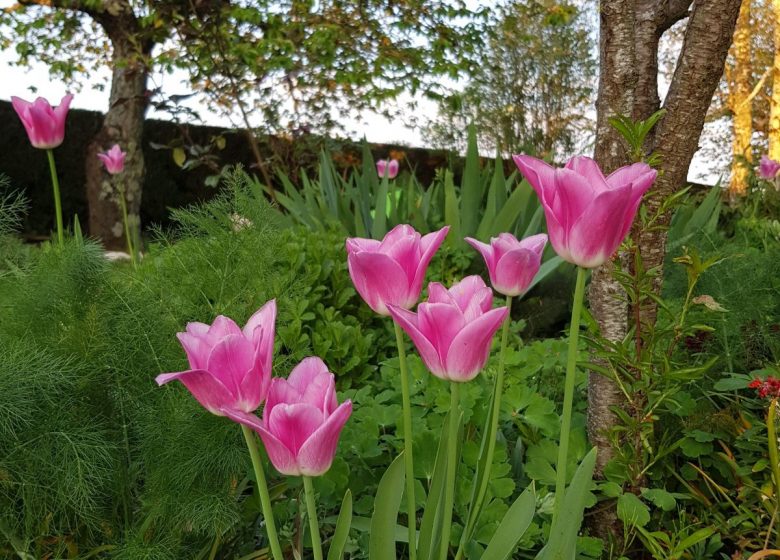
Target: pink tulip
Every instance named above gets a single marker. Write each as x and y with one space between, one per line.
512 264
45 126
454 328
113 159
390 167
230 368
302 420
588 215
391 271
768 168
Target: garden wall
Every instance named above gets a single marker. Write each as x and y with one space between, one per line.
166 185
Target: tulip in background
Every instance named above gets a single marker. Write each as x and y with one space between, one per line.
769 170
45 128
387 168
588 215
391 272
230 373
114 161
512 264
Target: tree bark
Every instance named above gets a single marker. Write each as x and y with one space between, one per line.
774 110
740 104
630 32
123 125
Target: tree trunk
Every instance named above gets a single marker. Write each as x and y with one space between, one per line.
123 125
740 105
774 113
630 31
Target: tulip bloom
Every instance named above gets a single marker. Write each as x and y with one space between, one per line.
45 126
588 215
453 329
391 271
512 264
390 167
113 159
302 420
230 368
768 168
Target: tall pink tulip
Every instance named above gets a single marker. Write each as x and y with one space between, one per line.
391 271
588 215
512 264
113 159
768 168
45 126
230 367
390 167
302 420
454 328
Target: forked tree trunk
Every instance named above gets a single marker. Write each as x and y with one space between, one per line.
630 31
740 104
774 111
123 125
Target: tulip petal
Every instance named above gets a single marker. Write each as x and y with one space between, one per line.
440 323
409 323
197 350
280 391
574 193
590 170
207 389
222 327
230 360
316 454
597 235
263 338
355 244
540 175
306 372
635 173
402 244
380 281
469 291
292 424
281 458
470 350
486 251
639 187
429 244
516 270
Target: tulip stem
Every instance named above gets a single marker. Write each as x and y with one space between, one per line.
123 204
452 458
773 459
55 183
262 488
411 507
568 394
489 438
311 509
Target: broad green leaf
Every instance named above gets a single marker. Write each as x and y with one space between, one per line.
632 511
381 543
471 187
693 539
562 543
495 200
340 534
512 527
661 498
546 269
379 227
511 211
452 215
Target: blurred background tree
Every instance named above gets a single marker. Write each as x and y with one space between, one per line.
534 86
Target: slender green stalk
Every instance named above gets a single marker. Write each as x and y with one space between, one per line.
411 506
314 526
568 394
490 436
773 459
55 183
262 489
126 222
449 487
